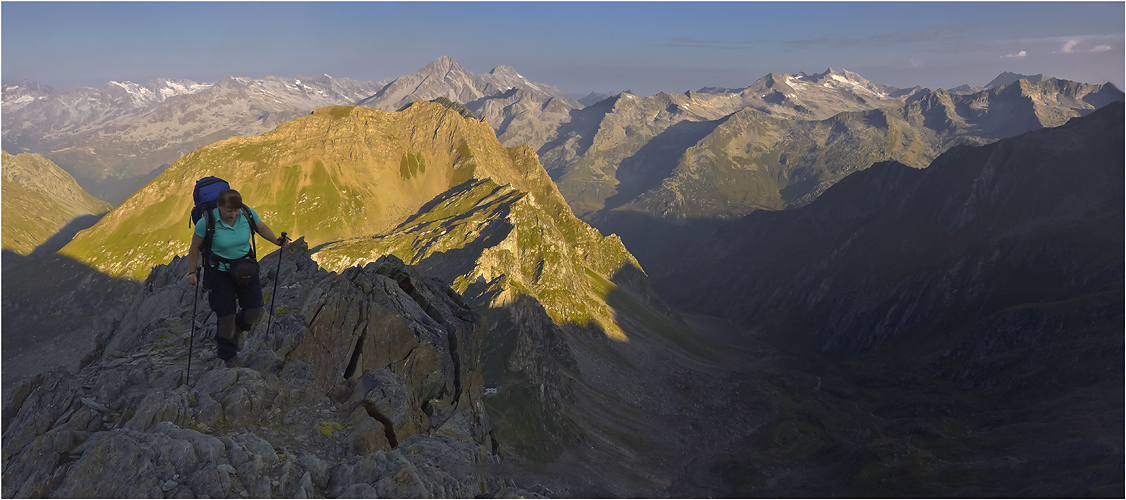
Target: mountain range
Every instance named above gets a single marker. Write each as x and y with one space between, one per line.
780 142
573 321
986 288
823 286
117 138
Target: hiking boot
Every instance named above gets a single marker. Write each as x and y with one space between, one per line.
241 341
232 363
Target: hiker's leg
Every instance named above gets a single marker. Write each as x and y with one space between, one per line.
226 339
245 319
250 299
222 301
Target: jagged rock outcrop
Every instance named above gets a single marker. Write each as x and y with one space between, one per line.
367 384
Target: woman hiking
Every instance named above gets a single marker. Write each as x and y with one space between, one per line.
232 270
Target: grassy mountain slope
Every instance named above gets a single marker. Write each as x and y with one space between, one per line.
338 173
39 200
579 343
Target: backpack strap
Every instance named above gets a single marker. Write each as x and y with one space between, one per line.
253 231
209 235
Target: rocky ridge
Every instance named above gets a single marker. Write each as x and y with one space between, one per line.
672 156
368 384
970 311
522 112
985 230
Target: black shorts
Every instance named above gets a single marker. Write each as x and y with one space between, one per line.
224 294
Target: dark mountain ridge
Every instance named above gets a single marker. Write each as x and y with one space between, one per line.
906 247
972 310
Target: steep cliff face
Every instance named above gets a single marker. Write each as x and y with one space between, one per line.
368 383
559 328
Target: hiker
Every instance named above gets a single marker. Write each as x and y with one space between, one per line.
231 271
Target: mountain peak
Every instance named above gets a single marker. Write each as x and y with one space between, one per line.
1010 77
505 71
443 64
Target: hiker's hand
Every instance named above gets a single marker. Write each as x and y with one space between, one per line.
282 241
192 279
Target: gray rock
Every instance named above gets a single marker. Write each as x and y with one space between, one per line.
127 426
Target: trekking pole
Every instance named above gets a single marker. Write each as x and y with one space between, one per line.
277 278
191 340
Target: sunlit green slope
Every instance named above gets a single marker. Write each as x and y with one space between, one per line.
39 199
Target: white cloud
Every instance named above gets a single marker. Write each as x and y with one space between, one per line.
1078 45
1018 55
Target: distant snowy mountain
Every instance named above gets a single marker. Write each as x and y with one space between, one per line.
521 111
20 93
849 81
123 131
445 77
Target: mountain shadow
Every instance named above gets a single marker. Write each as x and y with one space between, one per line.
53 308
657 159
412 407
582 128
61 238
970 313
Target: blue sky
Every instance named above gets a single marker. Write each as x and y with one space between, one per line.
646 47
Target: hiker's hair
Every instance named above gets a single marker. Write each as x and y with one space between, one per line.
229 198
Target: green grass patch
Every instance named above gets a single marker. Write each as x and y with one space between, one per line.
330 428
625 304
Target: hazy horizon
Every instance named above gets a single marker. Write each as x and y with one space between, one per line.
646 47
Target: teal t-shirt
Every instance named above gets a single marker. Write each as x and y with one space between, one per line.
230 241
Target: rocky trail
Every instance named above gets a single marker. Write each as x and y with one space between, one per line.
284 422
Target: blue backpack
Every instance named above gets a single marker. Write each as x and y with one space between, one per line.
206 197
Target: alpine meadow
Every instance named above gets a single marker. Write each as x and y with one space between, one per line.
476 285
